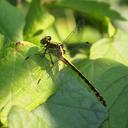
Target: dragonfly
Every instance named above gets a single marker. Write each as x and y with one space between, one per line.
57 50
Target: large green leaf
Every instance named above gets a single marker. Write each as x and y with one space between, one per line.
11 22
111 28
21 118
88 7
116 91
19 79
38 19
113 48
73 107
1 42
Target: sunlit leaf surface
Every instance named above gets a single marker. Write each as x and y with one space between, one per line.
19 117
19 79
113 48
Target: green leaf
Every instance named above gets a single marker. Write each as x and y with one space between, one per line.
11 22
115 48
1 42
111 28
101 9
110 78
21 118
19 79
114 82
73 106
38 19
70 106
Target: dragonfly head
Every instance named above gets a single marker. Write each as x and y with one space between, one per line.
46 40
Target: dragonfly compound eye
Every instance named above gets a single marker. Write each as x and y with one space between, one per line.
46 40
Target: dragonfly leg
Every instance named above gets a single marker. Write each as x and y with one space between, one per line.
40 54
53 64
38 81
45 50
43 54
28 57
51 58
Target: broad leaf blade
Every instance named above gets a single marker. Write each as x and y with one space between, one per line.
88 7
115 81
11 22
38 19
21 118
72 106
112 48
110 78
19 79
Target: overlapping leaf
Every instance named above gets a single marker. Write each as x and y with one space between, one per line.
19 117
38 19
73 107
113 48
11 22
91 7
19 79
